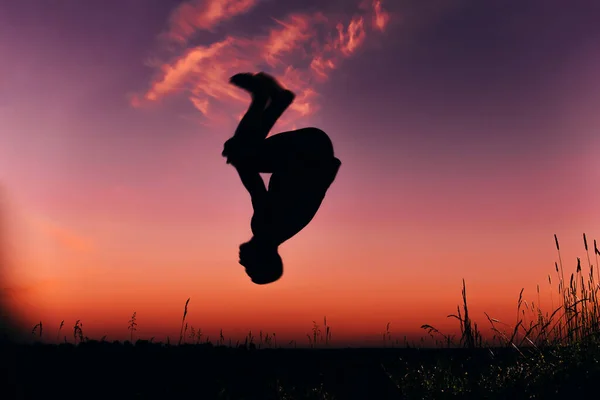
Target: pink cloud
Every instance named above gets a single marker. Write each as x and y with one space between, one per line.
290 35
301 50
380 17
188 68
321 66
196 15
351 37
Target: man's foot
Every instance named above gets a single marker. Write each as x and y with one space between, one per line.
244 80
248 81
263 85
277 93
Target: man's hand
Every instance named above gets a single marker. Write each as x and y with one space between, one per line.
236 150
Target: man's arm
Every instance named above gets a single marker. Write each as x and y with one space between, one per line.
254 184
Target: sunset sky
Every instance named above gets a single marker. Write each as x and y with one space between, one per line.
468 133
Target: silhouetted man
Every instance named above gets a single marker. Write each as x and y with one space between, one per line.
302 164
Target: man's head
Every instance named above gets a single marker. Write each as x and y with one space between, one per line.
262 261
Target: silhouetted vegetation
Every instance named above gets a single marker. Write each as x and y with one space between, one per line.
544 354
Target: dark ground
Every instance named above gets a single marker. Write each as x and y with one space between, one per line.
116 370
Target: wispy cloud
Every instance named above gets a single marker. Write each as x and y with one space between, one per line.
380 17
196 15
288 36
301 50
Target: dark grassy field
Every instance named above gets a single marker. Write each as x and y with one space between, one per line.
107 370
544 355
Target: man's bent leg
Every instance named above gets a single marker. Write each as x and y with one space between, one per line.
258 120
250 128
291 150
280 97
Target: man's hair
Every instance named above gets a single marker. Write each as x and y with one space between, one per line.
263 265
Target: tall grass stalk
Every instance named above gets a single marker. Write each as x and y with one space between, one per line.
575 320
185 310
